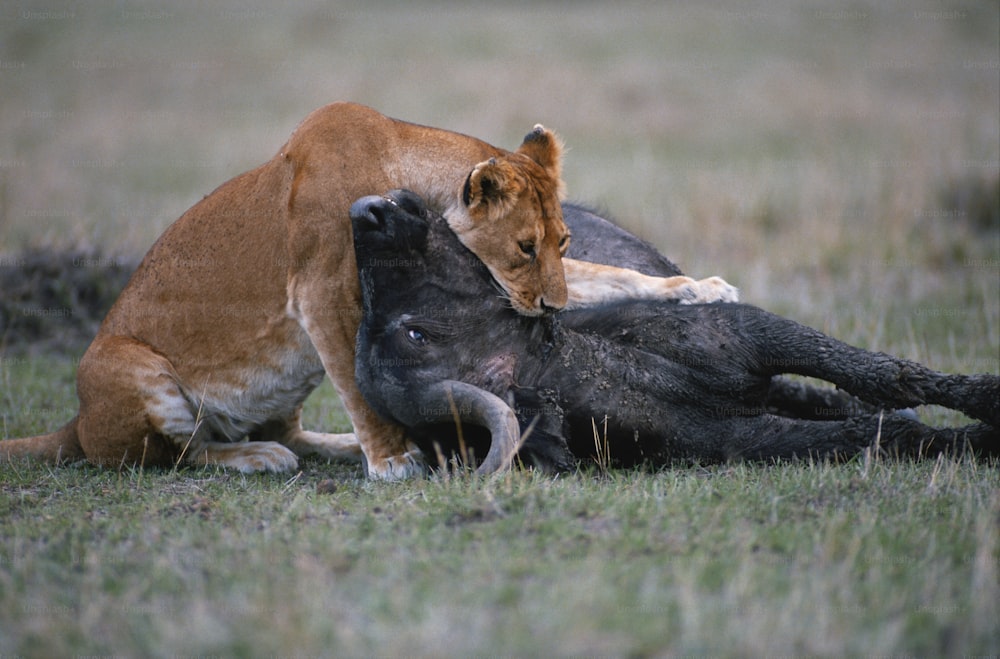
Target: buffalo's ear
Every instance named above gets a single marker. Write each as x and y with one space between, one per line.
493 184
545 148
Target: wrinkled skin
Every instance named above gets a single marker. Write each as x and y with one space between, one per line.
659 381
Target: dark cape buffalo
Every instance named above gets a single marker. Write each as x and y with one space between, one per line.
441 351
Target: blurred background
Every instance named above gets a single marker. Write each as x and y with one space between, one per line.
837 161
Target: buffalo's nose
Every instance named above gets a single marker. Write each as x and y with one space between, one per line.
369 212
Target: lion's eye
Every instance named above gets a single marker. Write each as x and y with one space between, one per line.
527 247
563 244
416 336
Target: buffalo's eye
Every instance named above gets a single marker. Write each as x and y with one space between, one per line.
527 247
416 336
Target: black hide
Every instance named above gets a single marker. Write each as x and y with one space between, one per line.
656 381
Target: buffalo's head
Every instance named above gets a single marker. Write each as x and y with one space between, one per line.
439 343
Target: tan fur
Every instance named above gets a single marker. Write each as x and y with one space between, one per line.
251 297
606 283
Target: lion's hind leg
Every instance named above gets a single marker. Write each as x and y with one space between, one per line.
120 383
133 411
246 457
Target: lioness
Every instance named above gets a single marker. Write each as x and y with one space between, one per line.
246 301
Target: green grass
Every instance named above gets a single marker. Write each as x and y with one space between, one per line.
821 158
863 558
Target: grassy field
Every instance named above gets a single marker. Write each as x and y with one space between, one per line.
841 165
866 559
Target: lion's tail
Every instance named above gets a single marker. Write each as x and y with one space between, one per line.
62 445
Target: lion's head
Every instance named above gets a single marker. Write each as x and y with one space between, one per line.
513 222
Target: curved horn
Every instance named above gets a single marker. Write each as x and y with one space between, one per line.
475 405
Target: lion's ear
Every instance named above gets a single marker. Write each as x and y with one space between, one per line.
492 184
544 147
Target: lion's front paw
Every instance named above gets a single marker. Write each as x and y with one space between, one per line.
713 289
342 446
397 467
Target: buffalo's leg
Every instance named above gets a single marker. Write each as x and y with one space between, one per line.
770 437
877 378
802 400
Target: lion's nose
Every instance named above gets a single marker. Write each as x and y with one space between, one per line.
548 309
